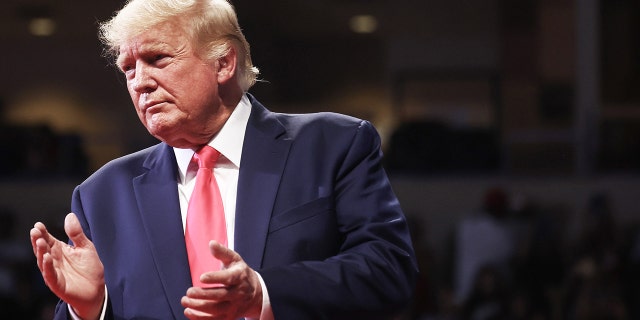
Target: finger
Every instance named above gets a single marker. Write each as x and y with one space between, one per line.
49 274
42 248
222 253
38 253
205 308
44 233
34 235
217 279
40 226
211 293
193 314
228 276
73 229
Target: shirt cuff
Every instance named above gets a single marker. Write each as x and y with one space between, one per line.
74 316
266 313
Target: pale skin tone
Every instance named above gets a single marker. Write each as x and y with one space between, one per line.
183 100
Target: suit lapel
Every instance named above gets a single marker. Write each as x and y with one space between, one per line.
159 209
264 154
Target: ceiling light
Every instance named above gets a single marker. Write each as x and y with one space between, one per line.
42 27
363 23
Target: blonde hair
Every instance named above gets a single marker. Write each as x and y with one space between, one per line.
212 26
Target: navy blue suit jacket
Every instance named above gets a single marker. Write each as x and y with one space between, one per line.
316 217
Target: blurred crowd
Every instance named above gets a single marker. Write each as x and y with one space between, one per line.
523 263
37 151
23 294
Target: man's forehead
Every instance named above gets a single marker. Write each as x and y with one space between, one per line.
134 47
127 47
161 36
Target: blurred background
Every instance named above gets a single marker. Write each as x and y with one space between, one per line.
511 132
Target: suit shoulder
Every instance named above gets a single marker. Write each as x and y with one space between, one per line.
322 121
331 131
129 165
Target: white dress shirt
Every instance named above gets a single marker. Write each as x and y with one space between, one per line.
228 141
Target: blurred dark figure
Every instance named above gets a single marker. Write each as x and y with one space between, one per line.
12 252
23 294
538 264
594 287
489 297
37 151
424 303
600 238
483 239
434 147
632 274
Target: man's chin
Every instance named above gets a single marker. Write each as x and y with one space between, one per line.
160 133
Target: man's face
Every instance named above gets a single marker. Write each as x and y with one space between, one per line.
174 91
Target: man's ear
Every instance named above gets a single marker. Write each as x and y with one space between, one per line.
227 66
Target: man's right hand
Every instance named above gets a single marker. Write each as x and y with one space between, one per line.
74 273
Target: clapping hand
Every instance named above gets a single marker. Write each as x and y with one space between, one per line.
73 272
235 291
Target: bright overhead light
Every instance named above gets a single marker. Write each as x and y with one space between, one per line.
363 23
42 27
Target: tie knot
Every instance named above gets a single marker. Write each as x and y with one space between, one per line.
206 157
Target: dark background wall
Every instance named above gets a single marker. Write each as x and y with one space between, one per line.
539 98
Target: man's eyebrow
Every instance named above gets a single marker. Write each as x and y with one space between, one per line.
144 49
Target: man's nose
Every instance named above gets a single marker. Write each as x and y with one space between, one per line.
143 80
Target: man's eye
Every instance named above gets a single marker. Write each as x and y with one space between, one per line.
159 57
127 70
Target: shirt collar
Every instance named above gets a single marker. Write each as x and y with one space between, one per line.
228 141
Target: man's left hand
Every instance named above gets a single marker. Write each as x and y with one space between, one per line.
235 291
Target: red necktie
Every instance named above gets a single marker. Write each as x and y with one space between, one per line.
205 217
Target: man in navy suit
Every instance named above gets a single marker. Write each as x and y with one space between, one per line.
314 229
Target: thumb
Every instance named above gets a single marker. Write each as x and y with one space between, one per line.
73 229
222 253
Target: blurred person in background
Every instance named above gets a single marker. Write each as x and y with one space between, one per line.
483 239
